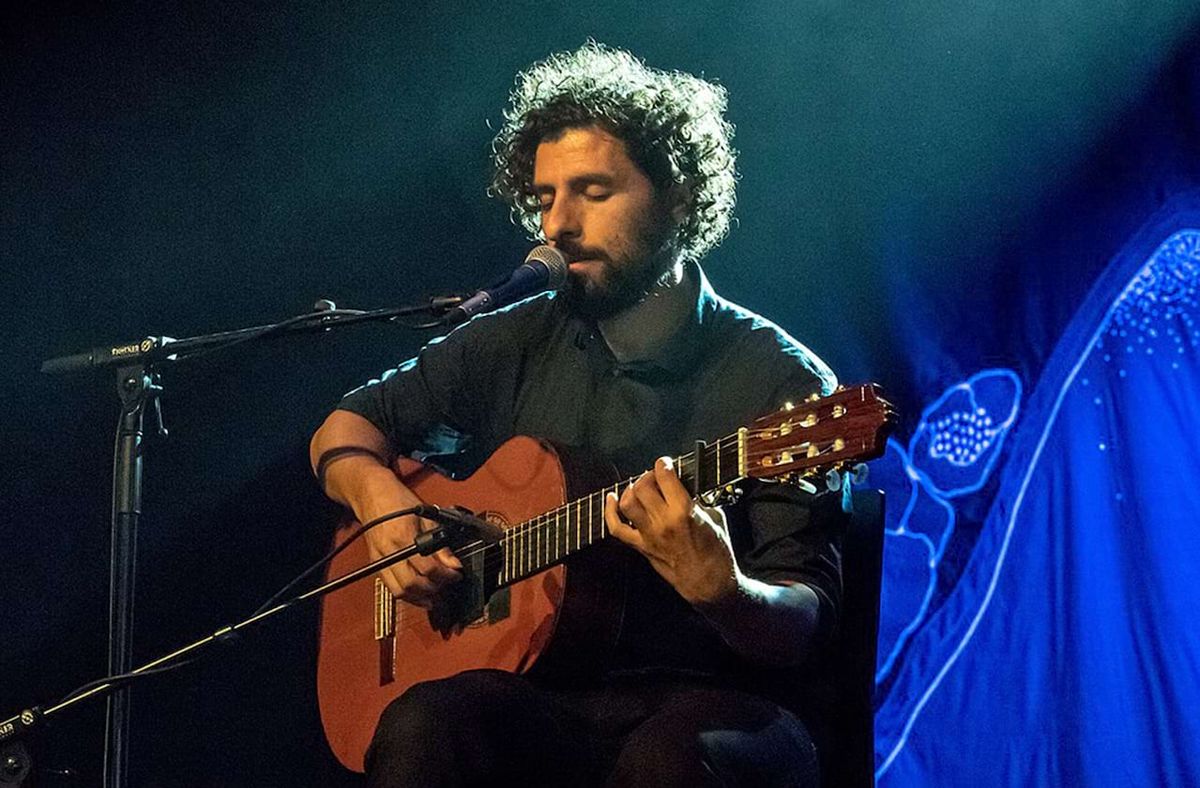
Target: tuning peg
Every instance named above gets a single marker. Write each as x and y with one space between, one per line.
858 473
805 484
833 480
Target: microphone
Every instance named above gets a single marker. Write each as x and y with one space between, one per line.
107 356
544 268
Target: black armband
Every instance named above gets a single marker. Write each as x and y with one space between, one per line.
327 458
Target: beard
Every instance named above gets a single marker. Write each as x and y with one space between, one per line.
625 277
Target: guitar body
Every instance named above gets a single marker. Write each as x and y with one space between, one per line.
373 648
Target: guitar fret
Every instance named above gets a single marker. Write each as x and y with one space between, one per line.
538 543
710 467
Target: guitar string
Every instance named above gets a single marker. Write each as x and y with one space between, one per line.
516 538
472 549
544 520
552 518
525 567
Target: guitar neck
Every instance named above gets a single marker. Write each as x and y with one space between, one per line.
549 538
798 441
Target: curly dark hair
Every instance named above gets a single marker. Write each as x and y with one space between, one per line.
672 125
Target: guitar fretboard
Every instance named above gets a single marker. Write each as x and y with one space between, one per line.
531 546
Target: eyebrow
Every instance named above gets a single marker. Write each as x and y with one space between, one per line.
584 180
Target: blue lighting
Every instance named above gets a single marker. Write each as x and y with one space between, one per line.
1070 632
955 445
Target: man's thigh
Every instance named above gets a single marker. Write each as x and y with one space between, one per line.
478 726
712 736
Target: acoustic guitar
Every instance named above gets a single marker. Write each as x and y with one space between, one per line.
514 609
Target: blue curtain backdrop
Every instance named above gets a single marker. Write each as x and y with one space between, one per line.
1042 555
1068 653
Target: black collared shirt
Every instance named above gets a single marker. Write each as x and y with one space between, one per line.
535 369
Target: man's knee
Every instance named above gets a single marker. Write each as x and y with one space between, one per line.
441 712
662 757
421 709
718 737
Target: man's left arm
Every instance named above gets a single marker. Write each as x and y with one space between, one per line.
690 547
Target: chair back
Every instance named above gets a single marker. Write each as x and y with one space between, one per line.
852 765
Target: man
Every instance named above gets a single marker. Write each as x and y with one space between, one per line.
628 171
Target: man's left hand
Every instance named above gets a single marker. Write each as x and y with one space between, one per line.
685 543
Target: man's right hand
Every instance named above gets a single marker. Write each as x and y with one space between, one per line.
370 489
418 579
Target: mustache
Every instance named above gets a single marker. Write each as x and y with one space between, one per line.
574 253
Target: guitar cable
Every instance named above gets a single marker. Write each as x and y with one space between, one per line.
226 634
424 510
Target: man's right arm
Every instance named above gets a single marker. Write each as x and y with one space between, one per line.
363 482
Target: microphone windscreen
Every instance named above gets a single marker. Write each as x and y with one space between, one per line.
554 261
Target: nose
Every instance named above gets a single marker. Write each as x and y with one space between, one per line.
560 222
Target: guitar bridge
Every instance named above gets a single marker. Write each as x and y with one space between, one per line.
385 611
385 631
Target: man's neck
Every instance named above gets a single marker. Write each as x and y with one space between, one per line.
641 331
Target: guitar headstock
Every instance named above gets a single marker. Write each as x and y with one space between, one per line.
819 434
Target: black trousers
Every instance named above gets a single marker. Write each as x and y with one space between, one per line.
499 728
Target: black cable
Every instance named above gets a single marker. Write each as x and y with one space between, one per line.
441 321
355 536
271 329
300 319
226 634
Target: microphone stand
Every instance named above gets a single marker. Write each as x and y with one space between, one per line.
139 385
456 529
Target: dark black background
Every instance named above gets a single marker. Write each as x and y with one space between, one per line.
182 169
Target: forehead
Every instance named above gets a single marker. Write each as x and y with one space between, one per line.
578 152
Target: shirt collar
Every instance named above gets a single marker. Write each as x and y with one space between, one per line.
677 356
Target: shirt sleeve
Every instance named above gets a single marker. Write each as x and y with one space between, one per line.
783 535
433 403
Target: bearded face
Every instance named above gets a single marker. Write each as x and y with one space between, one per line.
604 214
